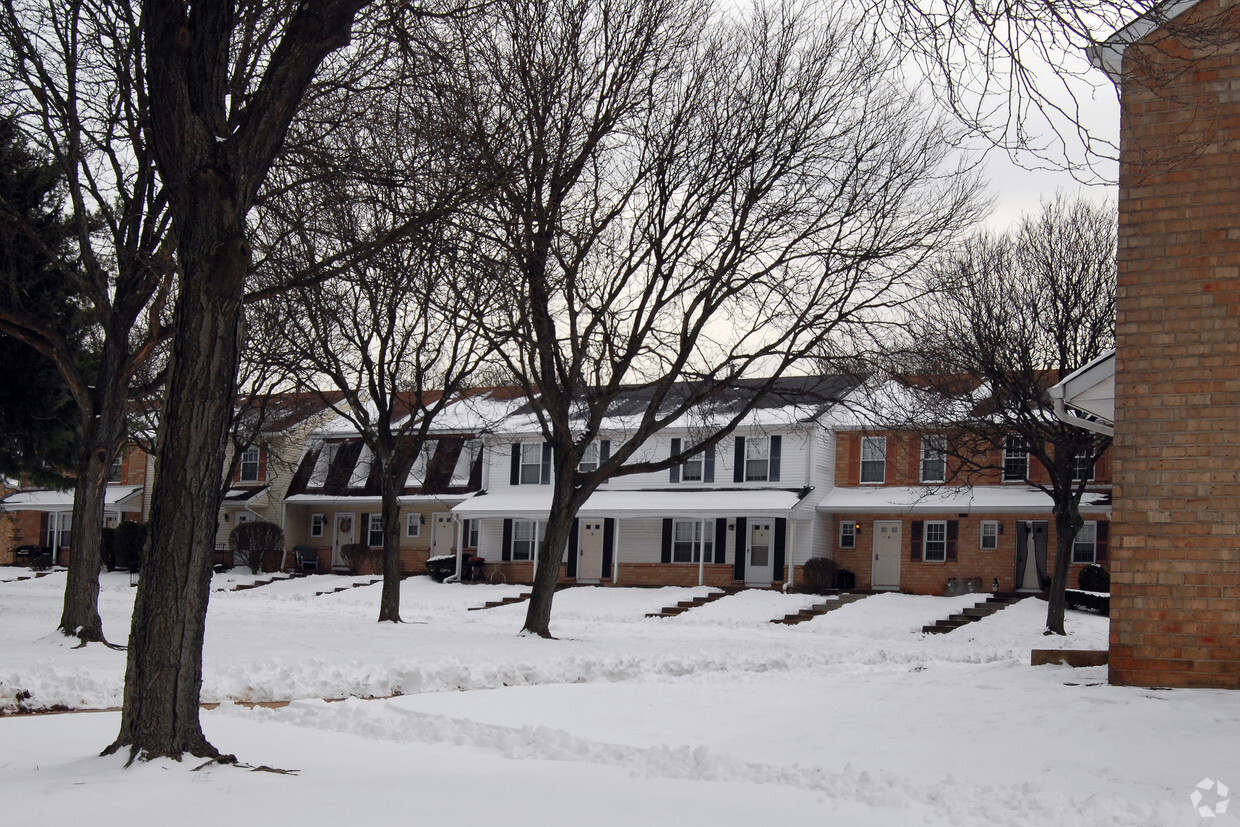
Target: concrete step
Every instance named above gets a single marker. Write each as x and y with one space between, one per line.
685 605
819 609
986 608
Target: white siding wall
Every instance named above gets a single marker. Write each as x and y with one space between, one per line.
794 468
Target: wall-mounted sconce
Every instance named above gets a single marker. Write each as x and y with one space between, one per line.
1000 528
857 528
225 516
421 519
731 526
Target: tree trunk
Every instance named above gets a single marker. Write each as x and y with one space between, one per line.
1067 523
101 435
164 675
389 601
565 503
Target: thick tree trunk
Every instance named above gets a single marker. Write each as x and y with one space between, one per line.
160 714
1067 523
389 601
80 614
101 435
565 503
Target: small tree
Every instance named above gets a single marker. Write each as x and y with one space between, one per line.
256 542
1015 314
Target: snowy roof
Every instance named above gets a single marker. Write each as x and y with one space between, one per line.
790 400
117 497
1091 390
701 502
1109 55
235 496
331 500
979 499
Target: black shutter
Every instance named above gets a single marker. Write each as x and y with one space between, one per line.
781 539
1100 541
915 544
609 546
673 473
516 464
738 469
721 539
604 450
666 551
953 534
365 538
738 556
545 478
505 552
708 465
776 444
573 541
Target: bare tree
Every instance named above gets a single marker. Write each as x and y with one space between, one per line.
74 75
392 337
224 83
684 199
1014 314
1019 73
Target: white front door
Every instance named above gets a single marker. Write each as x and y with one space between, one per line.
758 565
888 548
590 552
341 536
443 534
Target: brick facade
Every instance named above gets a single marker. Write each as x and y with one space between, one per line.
1175 606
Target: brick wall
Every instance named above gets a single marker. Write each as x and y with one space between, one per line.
1175 606
922 577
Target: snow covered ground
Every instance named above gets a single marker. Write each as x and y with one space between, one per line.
715 717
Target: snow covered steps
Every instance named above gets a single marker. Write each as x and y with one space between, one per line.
819 609
507 601
350 586
992 604
685 605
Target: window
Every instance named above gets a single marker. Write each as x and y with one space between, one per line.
698 468
933 459
413 524
317 522
1085 544
114 470
757 458
249 464
1015 459
589 459
873 459
1083 465
531 463
989 539
471 533
465 462
421 464
374 534
934 549
848 534
525 537
692 539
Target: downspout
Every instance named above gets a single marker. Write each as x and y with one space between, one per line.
283 518
460 543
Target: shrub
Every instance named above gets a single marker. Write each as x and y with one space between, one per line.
1088 602
441 567
255 542
128 538
355 555
819 575
1094 578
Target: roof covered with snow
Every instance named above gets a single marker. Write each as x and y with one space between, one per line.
980 499
117 497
